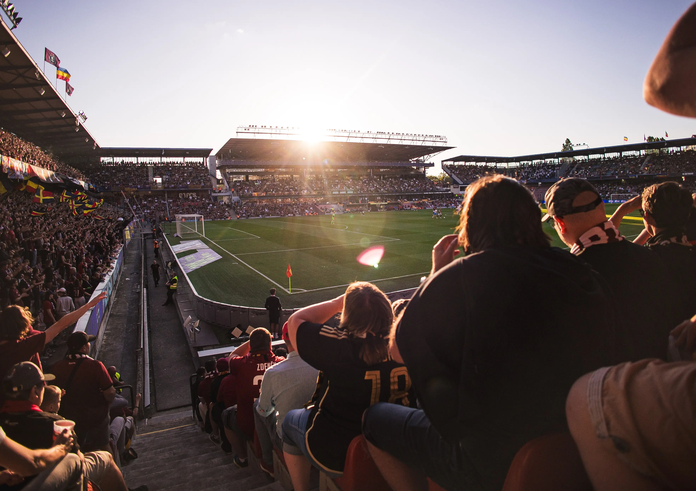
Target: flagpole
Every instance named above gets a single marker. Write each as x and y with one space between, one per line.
290 285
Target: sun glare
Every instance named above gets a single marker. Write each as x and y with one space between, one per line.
311 135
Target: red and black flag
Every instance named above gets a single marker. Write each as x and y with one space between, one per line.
69 89
51 57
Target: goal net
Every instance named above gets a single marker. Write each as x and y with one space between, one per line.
190 225
621 197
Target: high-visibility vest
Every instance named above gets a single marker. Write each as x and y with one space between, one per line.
173 282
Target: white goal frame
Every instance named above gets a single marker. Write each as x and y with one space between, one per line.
192 224
622 197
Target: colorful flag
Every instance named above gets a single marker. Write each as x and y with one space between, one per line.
644 139
97 217
666 135
50 57
288 273
87 211
69 88
31 187
74 207
625 138
43 196
36 213
62 74
20 186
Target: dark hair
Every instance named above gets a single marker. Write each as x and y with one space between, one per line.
367 315
668 204
273 290
210 366
499 211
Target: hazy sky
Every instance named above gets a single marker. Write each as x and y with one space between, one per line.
495 77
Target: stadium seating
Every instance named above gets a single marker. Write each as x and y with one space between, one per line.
359 474
548 463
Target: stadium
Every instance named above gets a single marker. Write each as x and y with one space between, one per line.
169 254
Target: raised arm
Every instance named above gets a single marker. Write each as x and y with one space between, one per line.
670 84
319 313
72 317
625 208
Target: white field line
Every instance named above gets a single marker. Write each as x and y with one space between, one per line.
242 231
308 248
351 231
304 291
371 281
248 266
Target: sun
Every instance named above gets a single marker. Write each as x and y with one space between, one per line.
312 135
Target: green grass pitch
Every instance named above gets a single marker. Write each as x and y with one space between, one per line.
256 253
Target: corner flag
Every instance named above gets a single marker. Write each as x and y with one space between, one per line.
288 273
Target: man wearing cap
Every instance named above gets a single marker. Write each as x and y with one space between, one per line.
248 363
287 385
88 392
23 421
65 303
576 211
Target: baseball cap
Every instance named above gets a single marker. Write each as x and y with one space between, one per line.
259 340
61 290
560 197
22 377
77 340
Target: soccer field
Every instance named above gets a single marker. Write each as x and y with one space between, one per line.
255 254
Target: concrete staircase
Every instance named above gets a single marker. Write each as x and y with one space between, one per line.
174 454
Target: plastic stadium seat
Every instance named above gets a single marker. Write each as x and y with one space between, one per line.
548 463
434 487
360 472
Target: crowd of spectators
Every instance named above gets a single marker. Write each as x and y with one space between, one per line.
157 209
384 185
56 254
17 148
126 174
671 164
276 208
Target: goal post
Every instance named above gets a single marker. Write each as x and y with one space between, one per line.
621 197
187 225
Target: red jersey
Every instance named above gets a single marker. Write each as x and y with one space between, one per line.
248 371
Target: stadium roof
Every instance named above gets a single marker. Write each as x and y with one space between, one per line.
635 147
154 152
267 150
31 108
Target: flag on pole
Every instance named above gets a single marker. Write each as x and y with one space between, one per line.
69 89
288 273
50 57
666 135
62 74
625 138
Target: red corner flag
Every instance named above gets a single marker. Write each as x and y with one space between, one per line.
288 273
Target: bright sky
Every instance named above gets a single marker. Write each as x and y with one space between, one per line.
495 77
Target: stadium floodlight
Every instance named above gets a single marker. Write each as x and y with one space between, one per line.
11 13
6 51
42 91
86 140
62 114
77 128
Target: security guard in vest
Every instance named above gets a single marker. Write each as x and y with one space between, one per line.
171 289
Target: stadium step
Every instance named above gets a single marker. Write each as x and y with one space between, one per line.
175 455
